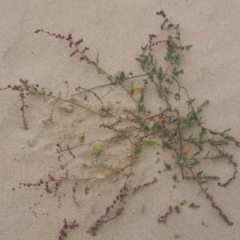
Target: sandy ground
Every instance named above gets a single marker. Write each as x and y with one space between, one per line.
115 30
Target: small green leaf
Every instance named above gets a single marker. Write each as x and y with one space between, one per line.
183 203
196 162
86 58
188 47
160 73
99 70
166 90
140 61
229 138
213 133
120 75
227 130
149 143
141 97
195 154
181 160
150 60
169 55
174 177
167 166
177 209
138 150
98 147
201 136
181 71
144 48
198 116
82 139
193 205
199 173
155 127
190 136
167 59
183 126
190 114
59 95
97 58
191 139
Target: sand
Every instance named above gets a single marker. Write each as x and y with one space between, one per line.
115 30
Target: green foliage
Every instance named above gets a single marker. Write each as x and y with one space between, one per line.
98 147
149 143
188 47
167 166
184 135
138 150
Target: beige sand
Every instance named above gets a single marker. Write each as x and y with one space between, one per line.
116 30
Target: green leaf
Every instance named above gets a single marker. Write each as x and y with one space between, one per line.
183 126
181 71
149 143
166 90
160 73
59 95
144 48
177 209
196 162
195 154
181 160
230 138
213 133
227 130
199 173
174 177
82 139
193 205
97 58
139 60
198 116
98 147
188 47
120 75
167 166
141 97
169 55
145 67
167 145
191 139
155 127
138 150
190 114
150 60
86 58
99 70
201 136
183 203
191 122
